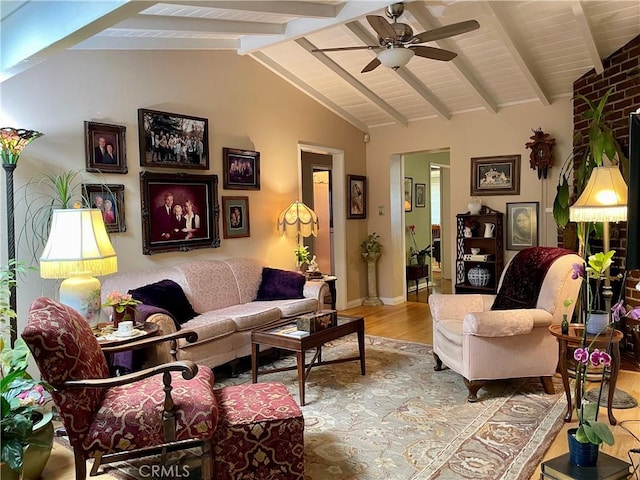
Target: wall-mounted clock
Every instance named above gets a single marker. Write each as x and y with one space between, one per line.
541 156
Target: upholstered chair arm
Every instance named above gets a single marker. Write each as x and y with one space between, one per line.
187 367
455 307
316 289
505 323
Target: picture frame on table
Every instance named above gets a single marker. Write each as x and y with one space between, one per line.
241 169
421 194
173 140
235 217
357 196
105 147
522 225
180 212
495 175
109 198
408 194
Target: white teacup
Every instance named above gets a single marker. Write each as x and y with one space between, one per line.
125 327
475 251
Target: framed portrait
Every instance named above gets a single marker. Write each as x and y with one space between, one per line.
173 140
495 175
421 193
357 195
408 194
180 212
235 217
522 225
105 147
109 199
241 169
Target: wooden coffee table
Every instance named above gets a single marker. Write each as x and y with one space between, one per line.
272 336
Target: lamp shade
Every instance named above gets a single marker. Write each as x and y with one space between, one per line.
604 199
298 219
395 57
78 243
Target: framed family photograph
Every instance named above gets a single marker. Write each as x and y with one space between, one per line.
357 195
421 193
173 140
241 169
180 212
522 225
105 147
235 217
408 194
495 175
109 199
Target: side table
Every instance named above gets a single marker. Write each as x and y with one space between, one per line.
126 357
415 273
574 340
330 280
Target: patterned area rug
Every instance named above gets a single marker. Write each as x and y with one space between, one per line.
403 420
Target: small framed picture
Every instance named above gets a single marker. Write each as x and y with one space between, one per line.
109 199
522 225
421 192
495 175
105 147
408 194
173 140
241 169
235 217
357 195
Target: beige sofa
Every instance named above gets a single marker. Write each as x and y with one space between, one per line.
223 292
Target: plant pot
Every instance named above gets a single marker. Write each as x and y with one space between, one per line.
128 314
7 474
597 322
37 453
581 454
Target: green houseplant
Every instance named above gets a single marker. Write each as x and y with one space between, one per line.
371 246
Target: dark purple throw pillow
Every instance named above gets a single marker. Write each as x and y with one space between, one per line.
280 285
168 295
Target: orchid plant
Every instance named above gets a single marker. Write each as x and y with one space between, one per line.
415 251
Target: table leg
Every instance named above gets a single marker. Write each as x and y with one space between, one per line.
255 351
300 360
613 378
361 349
562 347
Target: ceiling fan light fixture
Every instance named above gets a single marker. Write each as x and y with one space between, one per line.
395 57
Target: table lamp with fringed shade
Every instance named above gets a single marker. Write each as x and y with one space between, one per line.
604 199
78 248
298 220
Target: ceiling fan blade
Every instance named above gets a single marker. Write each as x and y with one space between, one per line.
434 53
446 31
371 65
382 27
340 49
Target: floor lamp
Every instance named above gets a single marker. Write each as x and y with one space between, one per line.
78 248
298 220
12 142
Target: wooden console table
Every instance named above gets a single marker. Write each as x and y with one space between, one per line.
415 273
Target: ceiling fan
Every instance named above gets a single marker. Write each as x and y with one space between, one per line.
398 43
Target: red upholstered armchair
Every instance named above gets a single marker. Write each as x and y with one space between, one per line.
160 409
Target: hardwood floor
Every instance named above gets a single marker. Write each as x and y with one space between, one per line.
412 321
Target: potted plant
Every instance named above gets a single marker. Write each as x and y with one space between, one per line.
21 397
371 247
371 251
124 307
414 252
302 256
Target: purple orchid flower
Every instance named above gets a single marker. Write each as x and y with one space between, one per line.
635 313
618 311
581 355
578 271
600 358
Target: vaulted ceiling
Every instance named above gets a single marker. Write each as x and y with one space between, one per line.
524 51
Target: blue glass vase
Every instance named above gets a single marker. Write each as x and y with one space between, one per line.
582 454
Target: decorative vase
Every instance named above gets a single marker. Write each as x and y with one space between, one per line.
474 206
37 453
581 454
597 322
479 276
128 314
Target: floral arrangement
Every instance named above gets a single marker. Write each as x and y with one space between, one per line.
120 301
371 244
415 251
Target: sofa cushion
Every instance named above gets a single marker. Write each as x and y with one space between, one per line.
209 326
250 315
291 308
280 285
168 295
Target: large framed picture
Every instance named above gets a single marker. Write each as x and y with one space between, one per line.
173 140
357 195
235 217
105 147
241 169
408 194
180 212
421 193
522 225
109 198
495 175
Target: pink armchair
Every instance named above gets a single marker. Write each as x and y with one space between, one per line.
513 341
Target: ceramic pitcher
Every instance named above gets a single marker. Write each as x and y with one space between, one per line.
488 229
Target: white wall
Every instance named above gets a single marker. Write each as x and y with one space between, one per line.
247 107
